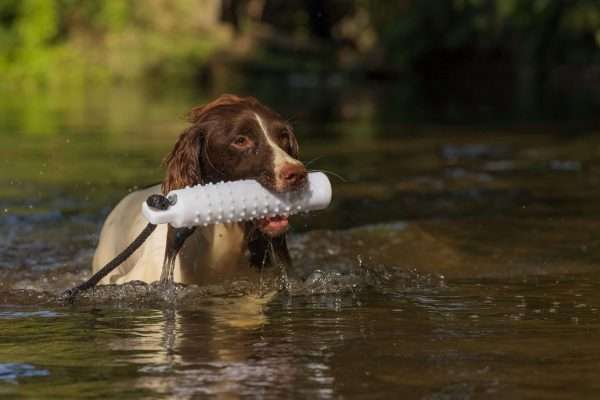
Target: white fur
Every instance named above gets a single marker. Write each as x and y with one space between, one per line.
280 157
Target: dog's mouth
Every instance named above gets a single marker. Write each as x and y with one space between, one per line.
274 226
278 225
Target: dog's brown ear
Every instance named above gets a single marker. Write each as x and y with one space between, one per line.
183 162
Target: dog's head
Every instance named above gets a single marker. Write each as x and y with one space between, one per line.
236 138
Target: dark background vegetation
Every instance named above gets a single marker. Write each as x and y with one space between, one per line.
415 60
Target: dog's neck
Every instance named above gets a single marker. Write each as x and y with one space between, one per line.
214 252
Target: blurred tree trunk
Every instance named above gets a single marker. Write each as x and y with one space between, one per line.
230 13
319 19
534 56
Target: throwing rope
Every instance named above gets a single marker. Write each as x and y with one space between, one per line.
156 201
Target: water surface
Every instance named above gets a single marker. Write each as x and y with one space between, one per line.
455 262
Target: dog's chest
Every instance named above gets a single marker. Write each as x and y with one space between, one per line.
213 251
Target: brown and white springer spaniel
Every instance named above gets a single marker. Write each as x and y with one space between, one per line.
230 138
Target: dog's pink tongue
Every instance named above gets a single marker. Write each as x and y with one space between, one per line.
274 225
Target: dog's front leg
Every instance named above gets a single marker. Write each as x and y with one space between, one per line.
176 237
271 251
280 256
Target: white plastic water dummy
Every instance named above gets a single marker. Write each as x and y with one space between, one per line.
237 201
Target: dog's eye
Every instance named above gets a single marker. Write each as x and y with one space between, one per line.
242 141
285 140
284 136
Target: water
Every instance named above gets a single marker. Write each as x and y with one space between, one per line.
455 262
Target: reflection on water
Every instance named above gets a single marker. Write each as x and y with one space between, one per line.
481 339
453 263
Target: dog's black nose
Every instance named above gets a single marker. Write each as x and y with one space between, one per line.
293 175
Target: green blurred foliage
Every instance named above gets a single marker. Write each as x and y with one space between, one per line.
512 50
53 42
68 42
410 30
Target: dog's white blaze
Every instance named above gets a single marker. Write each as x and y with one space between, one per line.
280 156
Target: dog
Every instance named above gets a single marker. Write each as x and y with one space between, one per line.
230 138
